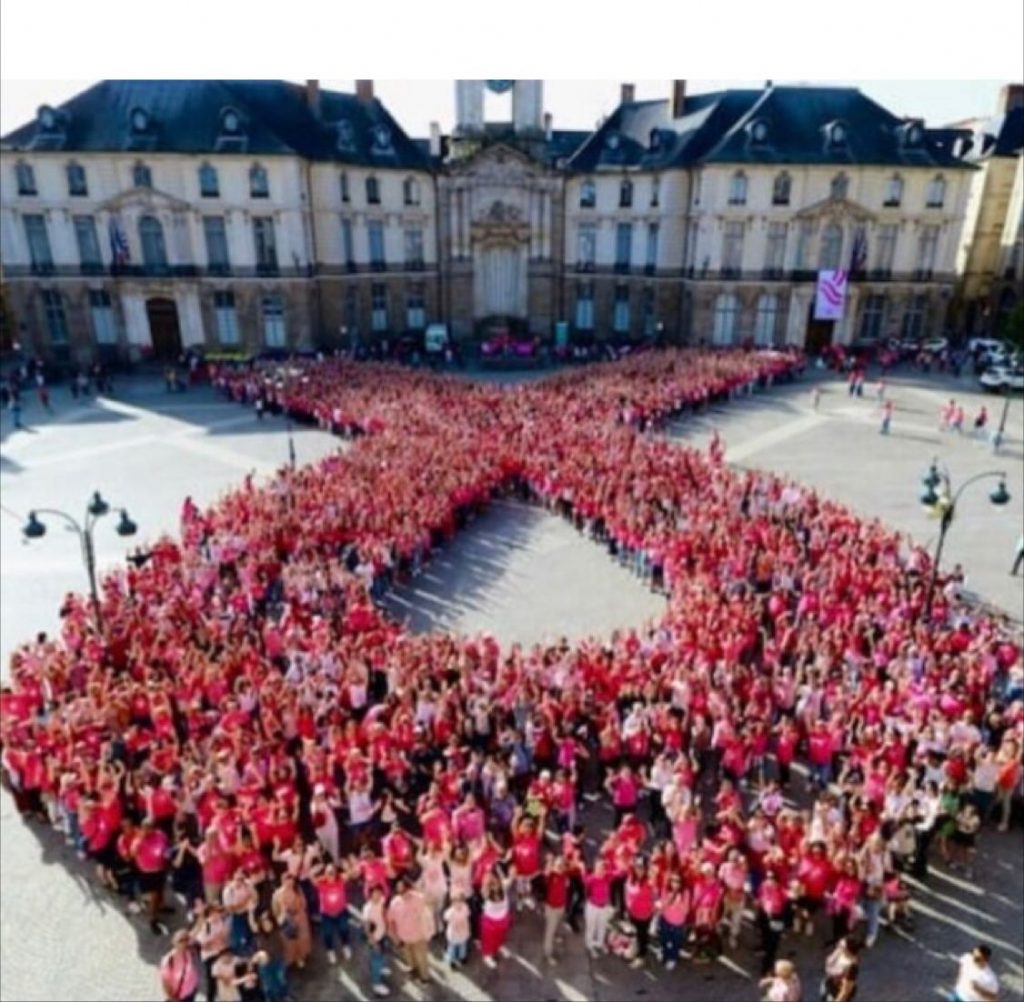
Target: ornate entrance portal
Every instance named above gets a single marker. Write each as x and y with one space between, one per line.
500 242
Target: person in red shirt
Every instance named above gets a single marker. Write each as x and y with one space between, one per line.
525 853
332 894
771 918
598 909
556 897
150 850
640 898
815 875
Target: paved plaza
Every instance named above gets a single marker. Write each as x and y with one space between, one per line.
523 575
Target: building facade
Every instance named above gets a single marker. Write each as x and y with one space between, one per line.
990 259
143 217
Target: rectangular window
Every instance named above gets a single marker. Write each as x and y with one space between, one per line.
273 321
585 307
775 248
216 235
727 309
416 307
698 184
691 244
102 313
623 245
887 235
655 191
913 318
375 230
652 246
872 319
649 320
803 245
620 317
38 244
347 243
928 245
766 320
227 318
732 248
379 308
26 176
586 245
414 249
56 321
88 244
78 187
266 246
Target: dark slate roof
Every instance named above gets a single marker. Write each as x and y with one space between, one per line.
716 128
185 117
1001 136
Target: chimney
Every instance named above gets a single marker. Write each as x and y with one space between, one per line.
767 84
628 95
547 126
313 96
435 139
1010 96
678 98
364 90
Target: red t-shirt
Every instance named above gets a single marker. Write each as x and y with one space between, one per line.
640 899
332 895
557 890
151 851
599 890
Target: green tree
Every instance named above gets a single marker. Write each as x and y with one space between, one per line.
1013 326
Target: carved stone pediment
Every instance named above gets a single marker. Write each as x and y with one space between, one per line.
150 199
839 209
500 166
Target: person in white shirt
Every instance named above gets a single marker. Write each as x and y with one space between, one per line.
976 981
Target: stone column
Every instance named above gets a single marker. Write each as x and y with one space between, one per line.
545 228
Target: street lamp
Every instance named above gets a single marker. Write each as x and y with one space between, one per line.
94 511
944 506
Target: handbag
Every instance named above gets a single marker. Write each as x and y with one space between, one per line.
289 927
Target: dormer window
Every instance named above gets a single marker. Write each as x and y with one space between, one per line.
912 134
893 192
345 138
77 186
625 193
26 177
259 183
139 120
655 139
209 185
759 132
612 141
142 176
588 194
738 189
47 119
839 187
781 188
411 191
230 122
835 135
936 193
381 137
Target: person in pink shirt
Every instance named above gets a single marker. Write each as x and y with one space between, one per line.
179 970
673 916
598 909
640 900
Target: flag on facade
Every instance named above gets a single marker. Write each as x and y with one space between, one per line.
830 301
859 253
120 253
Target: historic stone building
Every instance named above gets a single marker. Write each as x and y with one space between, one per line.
146 216
990 260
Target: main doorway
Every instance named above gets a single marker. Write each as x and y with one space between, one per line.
819 333
164 332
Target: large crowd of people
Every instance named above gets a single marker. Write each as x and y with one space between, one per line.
251 733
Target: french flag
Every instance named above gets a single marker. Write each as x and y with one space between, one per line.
120 253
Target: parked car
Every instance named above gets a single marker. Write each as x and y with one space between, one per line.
1002 379
935 345
984 344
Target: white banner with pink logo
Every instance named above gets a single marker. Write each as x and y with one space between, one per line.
830 300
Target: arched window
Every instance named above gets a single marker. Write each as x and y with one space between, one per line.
77 185
766 321
936 193
26 178
343 186
738 189
727 311
625 193
142 176
209 186
259 183
372 191
151 236
588 194
893 192
831 247
840 186
411 191
781 189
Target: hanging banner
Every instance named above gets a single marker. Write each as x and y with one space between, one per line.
830 300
